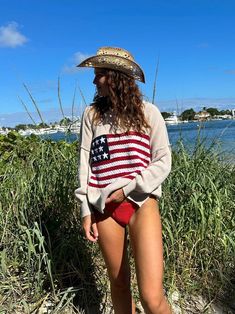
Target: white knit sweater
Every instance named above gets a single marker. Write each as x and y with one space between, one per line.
111 159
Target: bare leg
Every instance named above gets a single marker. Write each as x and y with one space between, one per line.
113 244
146 239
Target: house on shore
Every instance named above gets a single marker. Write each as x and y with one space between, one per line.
202 116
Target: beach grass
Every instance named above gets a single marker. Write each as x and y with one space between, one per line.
46 261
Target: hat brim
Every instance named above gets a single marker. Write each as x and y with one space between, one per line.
117 63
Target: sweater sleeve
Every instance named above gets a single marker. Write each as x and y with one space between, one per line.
84 165
153 176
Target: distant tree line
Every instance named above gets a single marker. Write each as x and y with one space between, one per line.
189 114
65 122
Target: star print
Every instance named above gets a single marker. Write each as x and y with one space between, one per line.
100 149
105 156
102 140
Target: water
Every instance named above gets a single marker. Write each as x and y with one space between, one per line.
219 132
61 136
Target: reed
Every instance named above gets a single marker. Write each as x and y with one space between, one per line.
198 210
34 102
59 98
45 260
42 247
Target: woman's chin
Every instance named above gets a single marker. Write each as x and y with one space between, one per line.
99 93
102 95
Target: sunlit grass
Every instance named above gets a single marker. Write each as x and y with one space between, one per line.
198 211
45 260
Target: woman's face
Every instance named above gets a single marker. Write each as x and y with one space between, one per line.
100 81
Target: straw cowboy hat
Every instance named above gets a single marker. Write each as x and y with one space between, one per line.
115 59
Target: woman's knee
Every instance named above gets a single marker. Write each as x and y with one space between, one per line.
121 281
152 301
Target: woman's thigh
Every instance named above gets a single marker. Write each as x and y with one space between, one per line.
146 240
113 245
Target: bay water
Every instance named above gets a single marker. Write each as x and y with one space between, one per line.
218 134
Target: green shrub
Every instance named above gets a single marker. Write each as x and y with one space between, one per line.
44 255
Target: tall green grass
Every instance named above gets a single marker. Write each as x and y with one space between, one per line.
42 248
44 256
198 210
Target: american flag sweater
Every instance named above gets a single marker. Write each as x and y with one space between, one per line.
111 159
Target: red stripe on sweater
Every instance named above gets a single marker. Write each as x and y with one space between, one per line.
100 186
117 175
129 141
127 165
147 137
129 149
110 161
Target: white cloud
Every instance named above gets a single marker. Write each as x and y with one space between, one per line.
10 36
77 58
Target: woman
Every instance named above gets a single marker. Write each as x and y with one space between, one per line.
124 159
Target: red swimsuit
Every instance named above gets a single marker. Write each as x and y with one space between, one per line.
120 212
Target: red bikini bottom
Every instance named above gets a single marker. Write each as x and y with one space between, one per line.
120 212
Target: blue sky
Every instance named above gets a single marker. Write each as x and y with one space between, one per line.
43 40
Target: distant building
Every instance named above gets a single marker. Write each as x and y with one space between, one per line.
202 115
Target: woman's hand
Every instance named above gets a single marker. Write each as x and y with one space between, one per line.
90 228
117 196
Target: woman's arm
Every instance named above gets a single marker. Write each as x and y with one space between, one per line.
84 165
88 220
159 168
153 176
83 173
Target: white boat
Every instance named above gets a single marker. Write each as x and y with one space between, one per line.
173 119
4 132
51 131
26 132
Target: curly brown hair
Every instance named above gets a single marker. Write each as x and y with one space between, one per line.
125 101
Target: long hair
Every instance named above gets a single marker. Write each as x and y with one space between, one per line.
125 102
